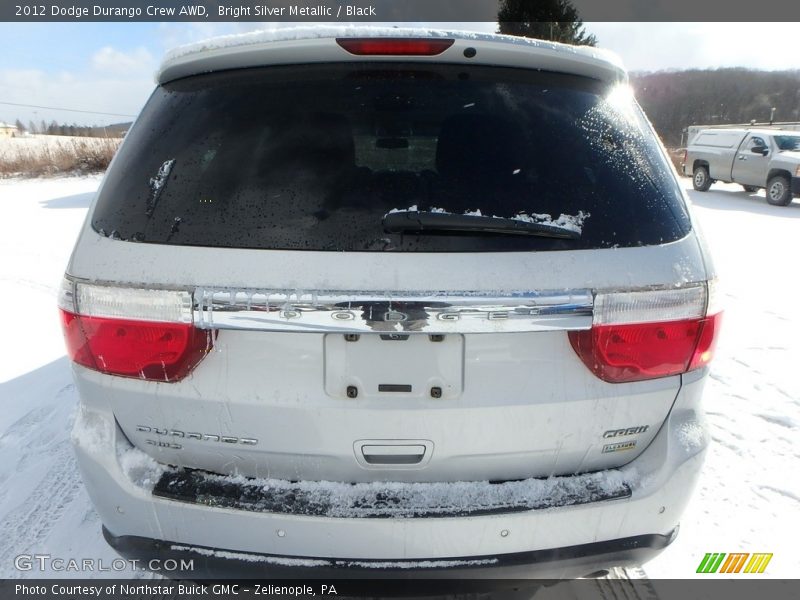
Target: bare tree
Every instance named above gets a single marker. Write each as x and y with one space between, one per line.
676 99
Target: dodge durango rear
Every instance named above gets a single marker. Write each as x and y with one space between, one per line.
368 304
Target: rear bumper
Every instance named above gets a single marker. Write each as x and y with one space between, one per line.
556 563
562 542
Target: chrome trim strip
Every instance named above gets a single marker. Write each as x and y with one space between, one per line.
412 312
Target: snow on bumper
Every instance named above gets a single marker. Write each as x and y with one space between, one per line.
661 480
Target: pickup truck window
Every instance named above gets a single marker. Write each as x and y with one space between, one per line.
788 142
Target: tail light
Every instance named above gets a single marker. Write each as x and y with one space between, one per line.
685 155
147 334
651 334
395 46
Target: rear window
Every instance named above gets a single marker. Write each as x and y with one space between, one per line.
313 157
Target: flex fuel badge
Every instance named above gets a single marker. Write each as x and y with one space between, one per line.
619 447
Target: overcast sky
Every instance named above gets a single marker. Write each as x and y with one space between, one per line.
109 67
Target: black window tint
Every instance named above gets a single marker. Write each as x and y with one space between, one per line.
788 142
312 157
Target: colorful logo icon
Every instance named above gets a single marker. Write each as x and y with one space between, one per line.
737 562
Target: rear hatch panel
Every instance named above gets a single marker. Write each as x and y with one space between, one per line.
527 407
262 192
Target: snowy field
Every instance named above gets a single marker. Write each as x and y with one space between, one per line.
749 496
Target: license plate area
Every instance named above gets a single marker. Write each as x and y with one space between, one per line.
394 366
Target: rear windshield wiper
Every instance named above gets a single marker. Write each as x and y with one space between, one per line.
421 221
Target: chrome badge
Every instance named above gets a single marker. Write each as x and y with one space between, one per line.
619 447
176 434
612 433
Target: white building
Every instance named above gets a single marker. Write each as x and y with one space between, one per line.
8 130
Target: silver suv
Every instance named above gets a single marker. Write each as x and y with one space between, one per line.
430 302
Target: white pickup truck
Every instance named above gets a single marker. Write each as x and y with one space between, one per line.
754 158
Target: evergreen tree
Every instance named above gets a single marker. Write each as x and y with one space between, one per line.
554 20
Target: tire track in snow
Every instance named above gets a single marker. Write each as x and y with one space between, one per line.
46 510
27 527
775 490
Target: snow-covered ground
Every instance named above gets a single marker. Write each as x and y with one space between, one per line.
749 496
43 506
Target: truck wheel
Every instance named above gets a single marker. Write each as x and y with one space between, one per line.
701 180
750 188
778 191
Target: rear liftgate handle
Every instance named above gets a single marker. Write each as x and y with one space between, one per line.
393 454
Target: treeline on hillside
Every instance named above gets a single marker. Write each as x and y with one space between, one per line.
673 100
55 128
